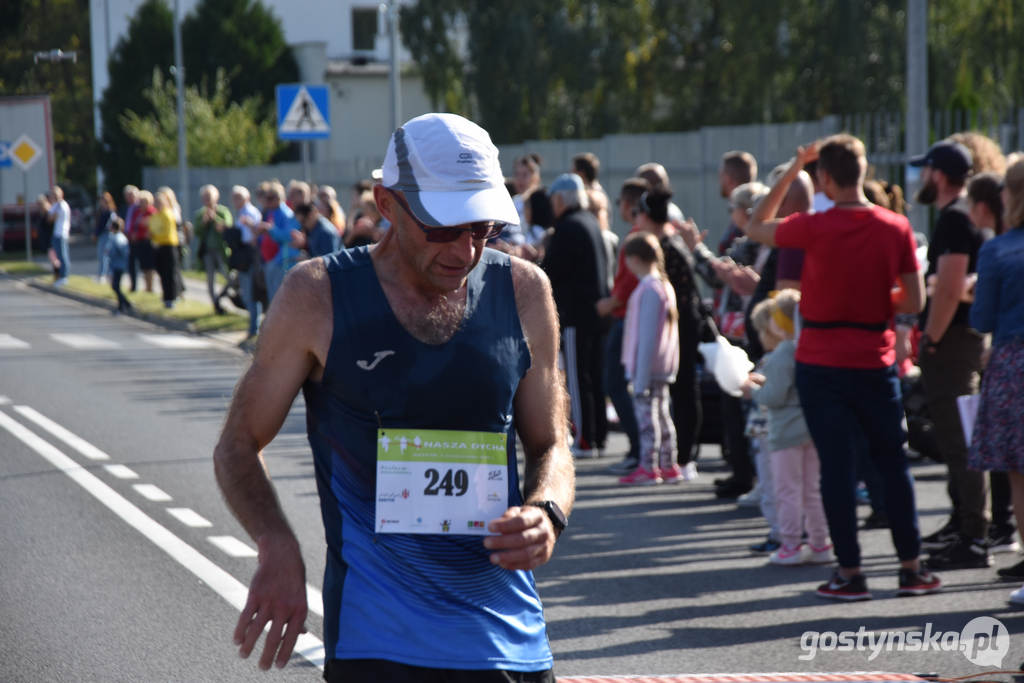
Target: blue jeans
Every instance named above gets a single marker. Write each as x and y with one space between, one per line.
101 256
245 284
847 411
617 387
60 246
273 273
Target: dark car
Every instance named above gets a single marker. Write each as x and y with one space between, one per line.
13 228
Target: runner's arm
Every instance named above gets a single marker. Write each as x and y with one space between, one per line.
526 536
277 593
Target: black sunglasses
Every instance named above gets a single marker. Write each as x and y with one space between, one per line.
478 230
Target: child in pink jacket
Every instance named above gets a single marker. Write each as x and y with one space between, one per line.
650 355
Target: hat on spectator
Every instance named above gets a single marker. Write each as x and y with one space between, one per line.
951 158
447 167
567 181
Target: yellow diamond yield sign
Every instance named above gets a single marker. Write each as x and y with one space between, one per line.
24 152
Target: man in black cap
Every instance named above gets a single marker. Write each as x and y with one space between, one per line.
950 352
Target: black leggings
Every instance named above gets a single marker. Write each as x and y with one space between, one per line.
167 267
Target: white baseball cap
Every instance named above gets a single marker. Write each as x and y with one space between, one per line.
447 168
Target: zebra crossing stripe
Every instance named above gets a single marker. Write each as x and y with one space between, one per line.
85 342
10 342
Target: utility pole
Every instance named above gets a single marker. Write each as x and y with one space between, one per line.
917 101
390 11
179 79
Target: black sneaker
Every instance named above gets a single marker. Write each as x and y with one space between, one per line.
964 553
768 545
943 537
851 589
624 466
1013 573
920 582
1001 538
734 490
876 520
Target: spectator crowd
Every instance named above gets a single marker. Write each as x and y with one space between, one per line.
818 278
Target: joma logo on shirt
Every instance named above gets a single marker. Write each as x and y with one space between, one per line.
377 358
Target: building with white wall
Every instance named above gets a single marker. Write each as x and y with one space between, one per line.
342 43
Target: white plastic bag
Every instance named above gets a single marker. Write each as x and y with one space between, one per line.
968 406
729 364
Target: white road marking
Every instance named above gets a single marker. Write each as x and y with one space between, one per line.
232 546
4 400
175 341
224 584
151 492
315 600
73 440
189 517
85 342
121 472
9 342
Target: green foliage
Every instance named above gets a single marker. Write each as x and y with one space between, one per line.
27 26
148 44
241 37
218 132
584 68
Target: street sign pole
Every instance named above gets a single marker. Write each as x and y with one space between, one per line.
305 160
28 227
25 152
303 114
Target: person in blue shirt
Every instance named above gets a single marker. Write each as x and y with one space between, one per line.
425 334
115 254
279 225
997 440
321 237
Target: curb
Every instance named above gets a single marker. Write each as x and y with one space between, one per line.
166 323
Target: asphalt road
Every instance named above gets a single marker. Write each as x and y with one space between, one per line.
119 560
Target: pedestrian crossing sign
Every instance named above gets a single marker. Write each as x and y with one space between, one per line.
303 112
5 154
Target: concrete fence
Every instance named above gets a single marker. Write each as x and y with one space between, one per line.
691 158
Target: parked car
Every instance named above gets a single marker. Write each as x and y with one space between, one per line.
13 228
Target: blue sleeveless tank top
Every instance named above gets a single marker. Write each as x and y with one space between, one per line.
427 600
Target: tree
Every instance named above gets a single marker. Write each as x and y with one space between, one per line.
535 68
240 34
242 38
37 25
148 44
218 132
583 68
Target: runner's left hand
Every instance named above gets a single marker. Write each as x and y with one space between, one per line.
525 540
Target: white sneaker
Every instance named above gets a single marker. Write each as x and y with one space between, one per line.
690 471
821 555
788 556
1017 596
751 499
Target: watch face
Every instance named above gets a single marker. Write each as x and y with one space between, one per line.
556 514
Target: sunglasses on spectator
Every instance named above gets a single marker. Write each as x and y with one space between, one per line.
478 230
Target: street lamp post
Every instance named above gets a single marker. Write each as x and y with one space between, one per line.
389 11
179 79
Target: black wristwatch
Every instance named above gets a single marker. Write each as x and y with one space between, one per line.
555 514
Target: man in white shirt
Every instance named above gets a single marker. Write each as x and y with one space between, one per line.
60 214
247 216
